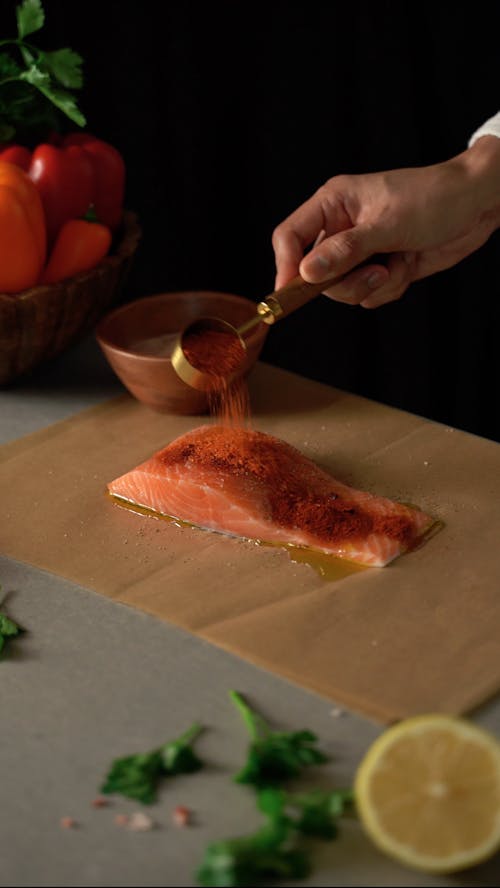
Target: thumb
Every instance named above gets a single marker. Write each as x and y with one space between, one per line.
338 254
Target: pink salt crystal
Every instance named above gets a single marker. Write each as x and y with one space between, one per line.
181 815
100 802
67 822
121 819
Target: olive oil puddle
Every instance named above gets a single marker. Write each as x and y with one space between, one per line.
329 567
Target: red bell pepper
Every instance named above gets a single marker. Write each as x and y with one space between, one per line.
109 172
66 183
17 154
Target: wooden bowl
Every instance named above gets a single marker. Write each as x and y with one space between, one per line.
38 324
137 340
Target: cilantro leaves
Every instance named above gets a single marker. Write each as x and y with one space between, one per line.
36 85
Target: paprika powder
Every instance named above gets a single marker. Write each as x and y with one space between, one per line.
294 493
219 354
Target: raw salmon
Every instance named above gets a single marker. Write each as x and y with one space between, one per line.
252 485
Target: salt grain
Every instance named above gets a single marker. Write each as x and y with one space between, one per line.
121 819
140 822
100 802
67 822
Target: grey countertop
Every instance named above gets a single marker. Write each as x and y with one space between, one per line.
92 680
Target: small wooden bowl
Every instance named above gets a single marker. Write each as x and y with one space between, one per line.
40 323
130 336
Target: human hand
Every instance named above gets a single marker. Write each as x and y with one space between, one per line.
423 219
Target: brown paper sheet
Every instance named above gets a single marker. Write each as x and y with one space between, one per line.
420 635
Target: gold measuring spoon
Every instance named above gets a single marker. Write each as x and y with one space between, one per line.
274 307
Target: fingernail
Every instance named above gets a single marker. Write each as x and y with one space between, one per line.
318 268
375 279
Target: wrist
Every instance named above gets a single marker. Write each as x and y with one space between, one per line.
480 165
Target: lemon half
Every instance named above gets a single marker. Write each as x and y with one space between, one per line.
428 793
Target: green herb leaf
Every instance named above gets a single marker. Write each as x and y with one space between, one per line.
271 802
312 813
35 76
279 757
274 756
8 629
139 776
65 102
49 78
178 757
254 860
316 814
135 776
65 66
8 67
30 17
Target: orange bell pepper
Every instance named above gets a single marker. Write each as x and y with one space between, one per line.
23 237
79 246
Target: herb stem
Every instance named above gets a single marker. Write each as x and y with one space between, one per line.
189 735
253 721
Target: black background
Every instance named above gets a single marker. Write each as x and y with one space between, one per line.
229 115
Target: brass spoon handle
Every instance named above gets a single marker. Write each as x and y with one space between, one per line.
284 301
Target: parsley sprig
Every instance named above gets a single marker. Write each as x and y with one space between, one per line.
36 85
275 851
279 849
269 854
139 776
274 756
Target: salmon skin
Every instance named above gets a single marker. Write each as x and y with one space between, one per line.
252 485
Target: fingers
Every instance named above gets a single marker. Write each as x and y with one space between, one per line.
341 253
288 252
374 285
401 272
323 211
358 285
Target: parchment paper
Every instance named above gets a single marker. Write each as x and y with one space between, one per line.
420 635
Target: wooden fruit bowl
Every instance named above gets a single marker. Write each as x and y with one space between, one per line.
40 323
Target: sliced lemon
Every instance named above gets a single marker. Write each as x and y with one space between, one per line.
428 793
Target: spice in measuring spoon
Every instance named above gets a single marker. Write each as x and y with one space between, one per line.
231 351
217 352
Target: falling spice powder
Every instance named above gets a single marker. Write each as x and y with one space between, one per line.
219 354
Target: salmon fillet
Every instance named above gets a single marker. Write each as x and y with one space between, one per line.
252 485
